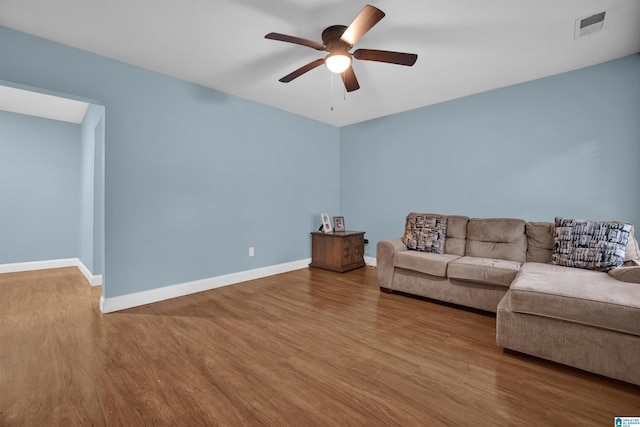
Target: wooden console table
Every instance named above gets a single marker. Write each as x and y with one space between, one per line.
337 251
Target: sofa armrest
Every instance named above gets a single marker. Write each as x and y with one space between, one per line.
627 273
385 251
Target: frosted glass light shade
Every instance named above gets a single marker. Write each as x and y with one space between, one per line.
338 63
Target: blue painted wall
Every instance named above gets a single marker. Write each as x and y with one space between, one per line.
91 183
39 187
193 176
567 145
98 191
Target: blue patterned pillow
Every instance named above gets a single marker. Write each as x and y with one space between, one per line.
591 245
425 232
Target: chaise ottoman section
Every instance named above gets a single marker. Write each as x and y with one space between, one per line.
601 351
581 318
576 295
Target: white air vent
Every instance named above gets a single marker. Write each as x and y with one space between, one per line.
589 25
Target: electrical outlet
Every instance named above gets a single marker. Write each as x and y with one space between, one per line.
251 251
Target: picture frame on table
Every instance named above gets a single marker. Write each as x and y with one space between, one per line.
338 223
326 223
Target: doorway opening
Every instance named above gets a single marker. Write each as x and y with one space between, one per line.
52 161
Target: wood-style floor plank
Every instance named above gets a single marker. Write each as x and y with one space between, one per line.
304 348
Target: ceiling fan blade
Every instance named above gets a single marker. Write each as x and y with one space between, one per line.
390 57
366 19
350 80
295 40
300 71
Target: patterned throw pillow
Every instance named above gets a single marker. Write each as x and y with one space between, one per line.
425 233
591 245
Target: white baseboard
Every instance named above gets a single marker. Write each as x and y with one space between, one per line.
38 265
122 302
94 280
54 263
371 261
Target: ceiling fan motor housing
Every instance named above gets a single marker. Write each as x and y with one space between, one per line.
331 39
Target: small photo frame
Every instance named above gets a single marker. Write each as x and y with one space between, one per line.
326 223
338 223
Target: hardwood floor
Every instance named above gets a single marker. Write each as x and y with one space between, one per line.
304 348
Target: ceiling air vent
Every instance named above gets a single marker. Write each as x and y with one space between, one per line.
589 25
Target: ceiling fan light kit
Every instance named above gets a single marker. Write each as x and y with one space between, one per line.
338 62
338 40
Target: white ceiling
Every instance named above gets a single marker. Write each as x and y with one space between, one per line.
463 46
42 105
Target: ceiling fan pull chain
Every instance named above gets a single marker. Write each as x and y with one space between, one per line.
332 91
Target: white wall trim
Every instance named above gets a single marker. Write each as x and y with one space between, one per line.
19 267
38 265
94 280
371 261
121 302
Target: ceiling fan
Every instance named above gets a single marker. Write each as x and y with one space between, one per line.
338 40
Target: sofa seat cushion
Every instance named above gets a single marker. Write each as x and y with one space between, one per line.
576 295
484 270
424 262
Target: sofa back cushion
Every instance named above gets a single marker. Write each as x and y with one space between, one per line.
539 241
500 238
633 250
456 234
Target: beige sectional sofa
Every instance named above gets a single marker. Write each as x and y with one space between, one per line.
582 318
